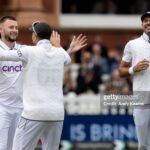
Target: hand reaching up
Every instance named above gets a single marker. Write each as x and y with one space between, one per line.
77 44
55 39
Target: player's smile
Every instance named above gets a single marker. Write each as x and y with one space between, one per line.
13 35
147 27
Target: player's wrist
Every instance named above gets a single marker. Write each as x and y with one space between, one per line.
131 70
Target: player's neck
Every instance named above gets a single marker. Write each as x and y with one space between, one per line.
8 43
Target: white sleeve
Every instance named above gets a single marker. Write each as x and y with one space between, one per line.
127 53
67 59
14 55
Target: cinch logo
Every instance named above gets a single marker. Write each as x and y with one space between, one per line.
12 68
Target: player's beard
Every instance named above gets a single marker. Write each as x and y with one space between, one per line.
148 33
147 29
11 38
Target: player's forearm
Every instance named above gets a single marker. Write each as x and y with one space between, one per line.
124 71
4 56
70 51
9 56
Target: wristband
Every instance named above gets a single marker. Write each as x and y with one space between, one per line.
131 71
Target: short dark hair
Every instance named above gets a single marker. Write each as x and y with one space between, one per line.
4 18
146 14
41 29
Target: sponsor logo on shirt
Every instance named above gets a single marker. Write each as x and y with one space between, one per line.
16 68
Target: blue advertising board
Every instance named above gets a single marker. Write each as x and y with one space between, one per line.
99 128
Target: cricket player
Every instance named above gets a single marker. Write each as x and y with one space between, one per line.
10 83
135 62
43 112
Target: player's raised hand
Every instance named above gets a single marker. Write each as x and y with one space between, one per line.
55 39
77 43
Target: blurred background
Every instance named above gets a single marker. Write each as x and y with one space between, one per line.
108 25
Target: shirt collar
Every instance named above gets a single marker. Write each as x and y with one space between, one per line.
5 47
146 37
41 42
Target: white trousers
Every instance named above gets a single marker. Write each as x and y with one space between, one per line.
29 132
142 124
9 118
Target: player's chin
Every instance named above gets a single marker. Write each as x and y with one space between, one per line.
147 27
12 39
13 36
148 31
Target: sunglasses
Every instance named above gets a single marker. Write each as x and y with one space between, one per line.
33 26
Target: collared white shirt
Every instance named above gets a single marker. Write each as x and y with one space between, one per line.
10 80
136 50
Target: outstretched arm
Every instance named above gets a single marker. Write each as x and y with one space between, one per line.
77 44
14 55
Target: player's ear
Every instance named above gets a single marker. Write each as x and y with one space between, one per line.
33 37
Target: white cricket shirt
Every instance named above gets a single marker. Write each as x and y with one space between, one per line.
10 80
136 50
43 80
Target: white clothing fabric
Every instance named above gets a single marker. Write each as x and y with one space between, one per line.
137 50
49 132
10 97
9 118
43 80
10 80
142 124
